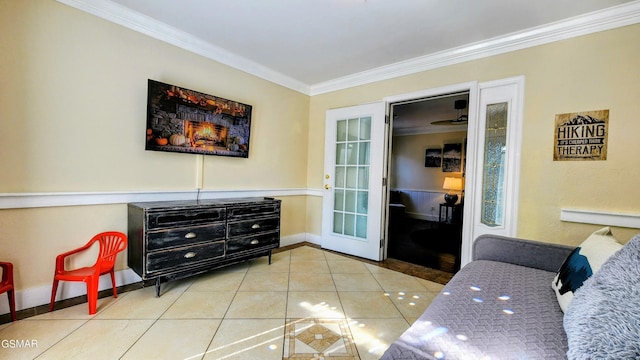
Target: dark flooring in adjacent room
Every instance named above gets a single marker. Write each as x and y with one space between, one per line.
430 244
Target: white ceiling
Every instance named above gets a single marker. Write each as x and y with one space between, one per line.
319 45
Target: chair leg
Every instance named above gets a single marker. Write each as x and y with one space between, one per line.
92 294
53 294
113 284
12 303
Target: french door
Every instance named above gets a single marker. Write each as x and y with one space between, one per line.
356 152
354 171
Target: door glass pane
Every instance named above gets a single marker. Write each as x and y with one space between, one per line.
361 226
363 177
362 205
495 144
350 201
349 224
365 128
339 199
341 133
354 130
352 177
351 174
363 153
352 153
341 154
337 222
340 175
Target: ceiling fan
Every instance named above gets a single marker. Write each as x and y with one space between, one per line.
459 105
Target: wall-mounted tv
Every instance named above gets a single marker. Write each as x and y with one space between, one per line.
187 121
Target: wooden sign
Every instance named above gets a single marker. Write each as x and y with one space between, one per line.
581 136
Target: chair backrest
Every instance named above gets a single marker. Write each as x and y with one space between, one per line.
7 273
111 243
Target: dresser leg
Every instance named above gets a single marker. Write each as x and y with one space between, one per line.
158 286
269 257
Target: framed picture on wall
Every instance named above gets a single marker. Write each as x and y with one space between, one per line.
433 157
452 158
187 121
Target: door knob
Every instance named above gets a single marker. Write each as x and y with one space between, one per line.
326 186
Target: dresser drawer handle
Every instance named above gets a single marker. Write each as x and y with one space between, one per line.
189 255
190 235
254 242
255 226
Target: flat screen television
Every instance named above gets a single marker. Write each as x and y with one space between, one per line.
187 121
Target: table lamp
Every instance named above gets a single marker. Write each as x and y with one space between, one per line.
452 184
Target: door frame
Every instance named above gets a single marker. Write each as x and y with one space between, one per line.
472 146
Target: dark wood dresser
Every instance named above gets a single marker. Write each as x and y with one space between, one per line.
175 239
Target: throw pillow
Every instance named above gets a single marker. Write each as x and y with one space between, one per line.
603 320
585 260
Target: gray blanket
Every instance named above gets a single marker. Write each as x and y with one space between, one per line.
489 309
603 319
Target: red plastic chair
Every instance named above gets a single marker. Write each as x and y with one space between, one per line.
6 285
111 243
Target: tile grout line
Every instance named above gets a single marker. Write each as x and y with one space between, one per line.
224 316
155 321
344 312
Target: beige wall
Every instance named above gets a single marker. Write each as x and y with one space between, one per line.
598 71
72 108
407 161
73 111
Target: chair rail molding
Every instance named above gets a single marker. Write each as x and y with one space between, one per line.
35 200
621 219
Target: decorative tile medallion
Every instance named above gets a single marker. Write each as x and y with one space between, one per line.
327 339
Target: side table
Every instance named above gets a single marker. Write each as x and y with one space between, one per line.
450 213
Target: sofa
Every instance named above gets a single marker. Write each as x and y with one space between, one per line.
502 305
499 306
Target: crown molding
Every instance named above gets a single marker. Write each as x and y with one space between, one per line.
121 15
606 19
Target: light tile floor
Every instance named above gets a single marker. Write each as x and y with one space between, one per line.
308 302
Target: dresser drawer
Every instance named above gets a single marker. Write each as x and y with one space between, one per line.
256 210
184 217
185 256
252 242
185 236
249 227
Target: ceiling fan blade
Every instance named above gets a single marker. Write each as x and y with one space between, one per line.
462 120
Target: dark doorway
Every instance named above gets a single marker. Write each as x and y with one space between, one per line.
419 233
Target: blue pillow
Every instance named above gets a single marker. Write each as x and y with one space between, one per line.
582 263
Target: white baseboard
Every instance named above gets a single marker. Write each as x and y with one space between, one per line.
40 295
314 239
292 239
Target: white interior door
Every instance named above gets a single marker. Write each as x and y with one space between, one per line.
496 177
352 209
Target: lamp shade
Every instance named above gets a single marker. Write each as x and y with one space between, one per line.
451 183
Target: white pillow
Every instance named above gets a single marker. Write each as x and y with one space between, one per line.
583 262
